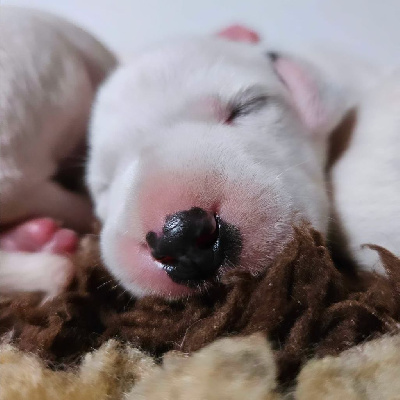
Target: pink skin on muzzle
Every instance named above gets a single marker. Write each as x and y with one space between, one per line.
235 205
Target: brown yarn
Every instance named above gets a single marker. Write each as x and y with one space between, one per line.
302 303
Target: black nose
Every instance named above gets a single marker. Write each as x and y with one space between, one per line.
190 246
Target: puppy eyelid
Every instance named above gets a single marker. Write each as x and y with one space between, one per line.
249 101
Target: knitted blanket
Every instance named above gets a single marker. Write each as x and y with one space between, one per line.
307 328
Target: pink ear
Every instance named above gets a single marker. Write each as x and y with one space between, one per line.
303 89
317 103
239 33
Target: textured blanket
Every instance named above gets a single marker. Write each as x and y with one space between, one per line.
289 333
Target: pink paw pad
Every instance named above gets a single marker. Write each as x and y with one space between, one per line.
37 235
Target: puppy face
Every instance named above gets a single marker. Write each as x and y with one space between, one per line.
203 155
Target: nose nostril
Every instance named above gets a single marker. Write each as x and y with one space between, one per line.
151 239
167 260
207 240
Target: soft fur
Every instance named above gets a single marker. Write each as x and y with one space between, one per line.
50 70
367 372
104 374
228 369
239 368
366 178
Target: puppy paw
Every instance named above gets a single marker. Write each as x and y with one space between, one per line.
39 235
35 272
59 274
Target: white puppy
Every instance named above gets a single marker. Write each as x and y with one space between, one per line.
366 179
204 154
49 72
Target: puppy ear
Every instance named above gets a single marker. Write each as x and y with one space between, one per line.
319 102
239 33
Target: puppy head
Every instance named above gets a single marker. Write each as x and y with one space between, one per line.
203 154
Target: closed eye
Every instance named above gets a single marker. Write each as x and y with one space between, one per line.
247 102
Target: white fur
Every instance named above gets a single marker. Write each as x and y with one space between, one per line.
49 71
152 132
366 179
30 272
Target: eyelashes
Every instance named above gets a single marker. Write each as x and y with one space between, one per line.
247 102
252 106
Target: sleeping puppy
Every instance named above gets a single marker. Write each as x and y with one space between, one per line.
205 153
50 70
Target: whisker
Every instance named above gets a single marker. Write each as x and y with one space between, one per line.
131 298
289 168
103 284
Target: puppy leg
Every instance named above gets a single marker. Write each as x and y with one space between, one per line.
49 199
29 272
72 209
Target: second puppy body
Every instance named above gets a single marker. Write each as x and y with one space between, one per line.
50 70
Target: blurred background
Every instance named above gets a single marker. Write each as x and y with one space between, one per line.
370 28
